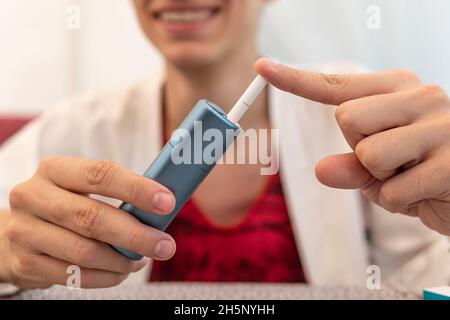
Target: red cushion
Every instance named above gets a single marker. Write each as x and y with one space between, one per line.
10 125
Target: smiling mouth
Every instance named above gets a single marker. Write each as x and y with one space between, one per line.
186 15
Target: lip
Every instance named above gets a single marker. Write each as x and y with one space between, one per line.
184 27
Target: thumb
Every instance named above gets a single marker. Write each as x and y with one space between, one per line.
343 171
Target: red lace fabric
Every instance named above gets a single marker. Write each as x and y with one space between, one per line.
259 249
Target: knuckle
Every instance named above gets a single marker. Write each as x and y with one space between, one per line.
344 116
298 74
19 195
334 80
13 230
432 98
406 76
390 199
136 241
98 172
84 252
89 218
135 189
434 89
292 85
333 83
368 156
435 93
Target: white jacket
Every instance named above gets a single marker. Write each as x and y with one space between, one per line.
338 234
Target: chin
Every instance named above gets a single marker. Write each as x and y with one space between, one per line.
191 56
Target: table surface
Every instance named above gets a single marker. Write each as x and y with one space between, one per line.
194 291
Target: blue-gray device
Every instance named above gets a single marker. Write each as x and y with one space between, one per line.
191 153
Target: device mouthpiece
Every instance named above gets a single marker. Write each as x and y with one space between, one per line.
248 99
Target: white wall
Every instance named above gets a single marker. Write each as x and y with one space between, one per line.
414 34
42 61
33 54
111 50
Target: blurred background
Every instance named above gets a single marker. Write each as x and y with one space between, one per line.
45 56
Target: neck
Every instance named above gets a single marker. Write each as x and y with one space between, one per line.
221 83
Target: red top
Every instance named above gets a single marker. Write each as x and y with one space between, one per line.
10 125
259 249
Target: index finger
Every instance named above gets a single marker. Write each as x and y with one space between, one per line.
334 89
108 179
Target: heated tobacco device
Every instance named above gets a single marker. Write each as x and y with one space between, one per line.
186 160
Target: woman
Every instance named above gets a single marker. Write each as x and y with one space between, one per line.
240 225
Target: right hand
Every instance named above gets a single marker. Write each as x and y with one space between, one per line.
53 224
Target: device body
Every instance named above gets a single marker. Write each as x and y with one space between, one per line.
183 163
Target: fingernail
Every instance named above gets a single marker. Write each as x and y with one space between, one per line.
163 201
164 249
139 265
270 62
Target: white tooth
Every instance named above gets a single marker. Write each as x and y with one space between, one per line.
185 16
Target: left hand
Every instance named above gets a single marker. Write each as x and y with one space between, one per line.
399 130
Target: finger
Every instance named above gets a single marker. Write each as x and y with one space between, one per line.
343 171
52 240
366 116
384 153
334 89
428 180
95 220
39 270
111 180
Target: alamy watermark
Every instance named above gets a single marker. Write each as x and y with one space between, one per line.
206 147
74 279
374 277
73 20
374 17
